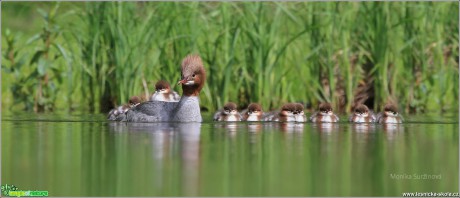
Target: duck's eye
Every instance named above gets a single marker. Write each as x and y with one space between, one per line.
193 75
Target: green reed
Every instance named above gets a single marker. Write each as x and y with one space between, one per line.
266 52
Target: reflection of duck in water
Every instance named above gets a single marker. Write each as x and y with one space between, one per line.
363 127
228 114
362 114
291 127
254 127
392 130
326 127
389 115
171 141
324 114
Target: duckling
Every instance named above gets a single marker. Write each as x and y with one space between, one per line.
229 113
324 114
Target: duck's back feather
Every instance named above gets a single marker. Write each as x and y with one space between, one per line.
186 110
150 111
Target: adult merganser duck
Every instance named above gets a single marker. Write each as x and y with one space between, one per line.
324 114
285 115
362 114
132 102
253 113
229 113
193 77
163 92
389 115
299 114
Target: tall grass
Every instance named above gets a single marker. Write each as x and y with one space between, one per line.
267 52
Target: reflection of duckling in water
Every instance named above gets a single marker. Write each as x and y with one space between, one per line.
133 101
389 115
392 130
324 114
229 113
362 114
254 127
290 127
326 127
363 128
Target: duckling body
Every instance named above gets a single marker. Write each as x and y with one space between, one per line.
324 114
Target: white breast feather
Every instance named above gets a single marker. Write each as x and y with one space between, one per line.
252 118
232 118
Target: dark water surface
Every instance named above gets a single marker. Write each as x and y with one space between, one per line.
81 155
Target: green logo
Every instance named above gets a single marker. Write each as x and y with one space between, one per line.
12 191
7 188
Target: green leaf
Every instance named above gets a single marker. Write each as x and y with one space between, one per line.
62 51
43 13
42 66
36 56
6 69
58 74
54 10
33 38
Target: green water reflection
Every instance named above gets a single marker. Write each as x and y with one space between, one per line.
81 156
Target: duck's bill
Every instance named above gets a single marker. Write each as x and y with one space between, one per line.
186 82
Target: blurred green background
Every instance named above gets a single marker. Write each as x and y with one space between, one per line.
91 56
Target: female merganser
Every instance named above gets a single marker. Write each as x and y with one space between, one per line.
132 102
299 113
285 115
229 113
389 115
253 113
362 114
193 77
324 114
163 92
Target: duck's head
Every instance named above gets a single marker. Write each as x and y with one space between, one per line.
325 109
193 75
361 110
162 87
134 101
299 109
230 108
390 110
255 109
288 109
